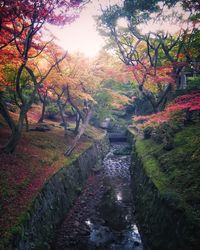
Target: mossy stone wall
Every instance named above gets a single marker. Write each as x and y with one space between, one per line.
162 222
55 199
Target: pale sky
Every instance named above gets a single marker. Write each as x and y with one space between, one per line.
82 35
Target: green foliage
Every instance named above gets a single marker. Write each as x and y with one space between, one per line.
104 107
193 82
141 106
122 88
162 132
176 171
147 132
142 5
195 17
182 167
110 16
148 7
52 111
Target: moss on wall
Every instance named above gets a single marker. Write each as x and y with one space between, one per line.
36 230
166 191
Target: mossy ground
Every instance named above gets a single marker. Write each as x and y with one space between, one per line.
23 173
176 172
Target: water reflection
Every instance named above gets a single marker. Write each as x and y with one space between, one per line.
119 196
102 217
118 231
89 223
135 233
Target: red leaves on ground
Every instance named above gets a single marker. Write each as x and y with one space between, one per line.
22 175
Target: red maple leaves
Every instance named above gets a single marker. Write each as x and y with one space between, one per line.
189 103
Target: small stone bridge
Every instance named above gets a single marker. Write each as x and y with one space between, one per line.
117 137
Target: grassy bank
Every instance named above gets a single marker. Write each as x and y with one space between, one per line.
176 171
173 199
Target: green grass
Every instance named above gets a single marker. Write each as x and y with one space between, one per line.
177 171
148 150
182 166
44 144
94 133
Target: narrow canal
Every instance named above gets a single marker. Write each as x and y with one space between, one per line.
102 217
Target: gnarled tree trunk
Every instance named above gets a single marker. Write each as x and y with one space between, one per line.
78 121
80 133
13 141
15 135
62 115
26 123
41 119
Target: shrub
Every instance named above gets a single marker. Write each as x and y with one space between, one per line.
193 82
147 132
52 111
164 133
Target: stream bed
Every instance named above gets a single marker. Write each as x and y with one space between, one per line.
102 217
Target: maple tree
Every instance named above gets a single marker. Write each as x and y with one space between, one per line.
78 82
72 83
156 5
20 27
75 83
52 51
187 104
43 96
21 21
108 66
93 76
25 78
150 55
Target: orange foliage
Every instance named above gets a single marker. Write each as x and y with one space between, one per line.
110 67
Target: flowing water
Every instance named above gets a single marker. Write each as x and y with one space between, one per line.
102 218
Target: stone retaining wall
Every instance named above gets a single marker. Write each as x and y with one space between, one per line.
162 223
56 197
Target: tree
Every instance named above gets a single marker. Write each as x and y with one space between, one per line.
72 83
24 28
148 53
79 83
110 94
181 107
152 6
23 101
43 96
